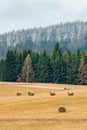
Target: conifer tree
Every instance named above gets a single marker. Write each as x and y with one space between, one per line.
43 70
35 59
82 73
57 65
27 74
10 67
70 68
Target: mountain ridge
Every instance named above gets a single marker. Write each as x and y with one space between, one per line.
71 35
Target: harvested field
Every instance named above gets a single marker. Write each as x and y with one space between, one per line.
40 112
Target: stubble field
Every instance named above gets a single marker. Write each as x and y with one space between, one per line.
40 112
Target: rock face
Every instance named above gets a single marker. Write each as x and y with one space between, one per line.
70 35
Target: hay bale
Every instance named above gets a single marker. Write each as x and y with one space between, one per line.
52 93
67 88
30 93
18 94
62 109
70 93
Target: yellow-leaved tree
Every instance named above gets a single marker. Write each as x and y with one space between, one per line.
27 74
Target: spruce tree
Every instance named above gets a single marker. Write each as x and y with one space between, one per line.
35 59
43 68
1 69
58 64
10 67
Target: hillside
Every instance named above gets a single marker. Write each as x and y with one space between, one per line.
41 110
70 35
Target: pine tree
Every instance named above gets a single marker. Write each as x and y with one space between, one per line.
72 67
43 68
27 74
10 67
1 69
35 59
58 64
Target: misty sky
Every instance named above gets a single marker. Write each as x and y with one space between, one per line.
19 14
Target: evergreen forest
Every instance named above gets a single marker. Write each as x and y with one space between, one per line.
47 67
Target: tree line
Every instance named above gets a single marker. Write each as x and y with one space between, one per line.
56 67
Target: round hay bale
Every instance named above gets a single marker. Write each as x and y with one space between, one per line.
18 94
67 88
62 109
52 93
30 93
70 93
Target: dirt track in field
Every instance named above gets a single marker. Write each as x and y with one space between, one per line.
32 120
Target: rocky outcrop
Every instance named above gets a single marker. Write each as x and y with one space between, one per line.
70 35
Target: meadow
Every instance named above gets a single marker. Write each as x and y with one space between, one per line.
40 112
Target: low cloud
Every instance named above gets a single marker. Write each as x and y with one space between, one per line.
18 14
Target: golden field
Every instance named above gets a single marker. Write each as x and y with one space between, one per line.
40 112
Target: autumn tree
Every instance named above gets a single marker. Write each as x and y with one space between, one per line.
27 74
82 73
